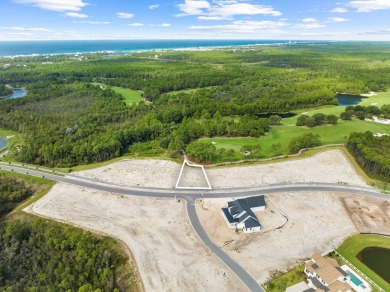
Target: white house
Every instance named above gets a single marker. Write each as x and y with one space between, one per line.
326 275
239 213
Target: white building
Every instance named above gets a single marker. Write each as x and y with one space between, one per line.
326 275
239 213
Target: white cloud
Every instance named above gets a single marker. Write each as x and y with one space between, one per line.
309 25
380 31
220 10
155 6
94 22
337 19
243 26
136 24
162 25
369 5
309 20
19 28
212 18
56 5
243 9
339 10
76 15
194 7
19 33
125 15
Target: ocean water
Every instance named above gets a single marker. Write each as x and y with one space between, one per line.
16 48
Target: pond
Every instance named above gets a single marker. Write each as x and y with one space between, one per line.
348 99
18 93
378 260
3 143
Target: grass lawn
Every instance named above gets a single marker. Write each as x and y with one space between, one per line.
380 99
130 96
287 280
13 137
283 134
353 245
190 90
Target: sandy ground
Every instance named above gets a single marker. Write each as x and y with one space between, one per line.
316 222
137 172
328 166
168 253
370 215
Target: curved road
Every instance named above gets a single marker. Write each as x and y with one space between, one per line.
192 195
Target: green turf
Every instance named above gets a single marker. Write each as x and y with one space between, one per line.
13 137
291 278
353 245
283 134
190 90
380 99
130 96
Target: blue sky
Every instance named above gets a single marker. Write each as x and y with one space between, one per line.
195 19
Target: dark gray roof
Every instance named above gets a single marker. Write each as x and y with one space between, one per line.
251 223
310 290
315 266
235 207
253 202
244 206
318 284
228 216
344 273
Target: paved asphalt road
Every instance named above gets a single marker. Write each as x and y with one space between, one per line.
192 195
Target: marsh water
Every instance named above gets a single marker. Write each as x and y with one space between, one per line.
18 93
348 99
3 143
378 260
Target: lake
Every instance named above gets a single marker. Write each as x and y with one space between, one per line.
18 93
3 143
378 260
348 99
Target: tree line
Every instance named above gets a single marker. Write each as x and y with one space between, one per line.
39 255
372 153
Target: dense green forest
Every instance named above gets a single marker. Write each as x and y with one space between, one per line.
38 255
366 112
4 90
66 120
372 153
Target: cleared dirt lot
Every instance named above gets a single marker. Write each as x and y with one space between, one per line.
316 221
370 215
168 253
329 166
